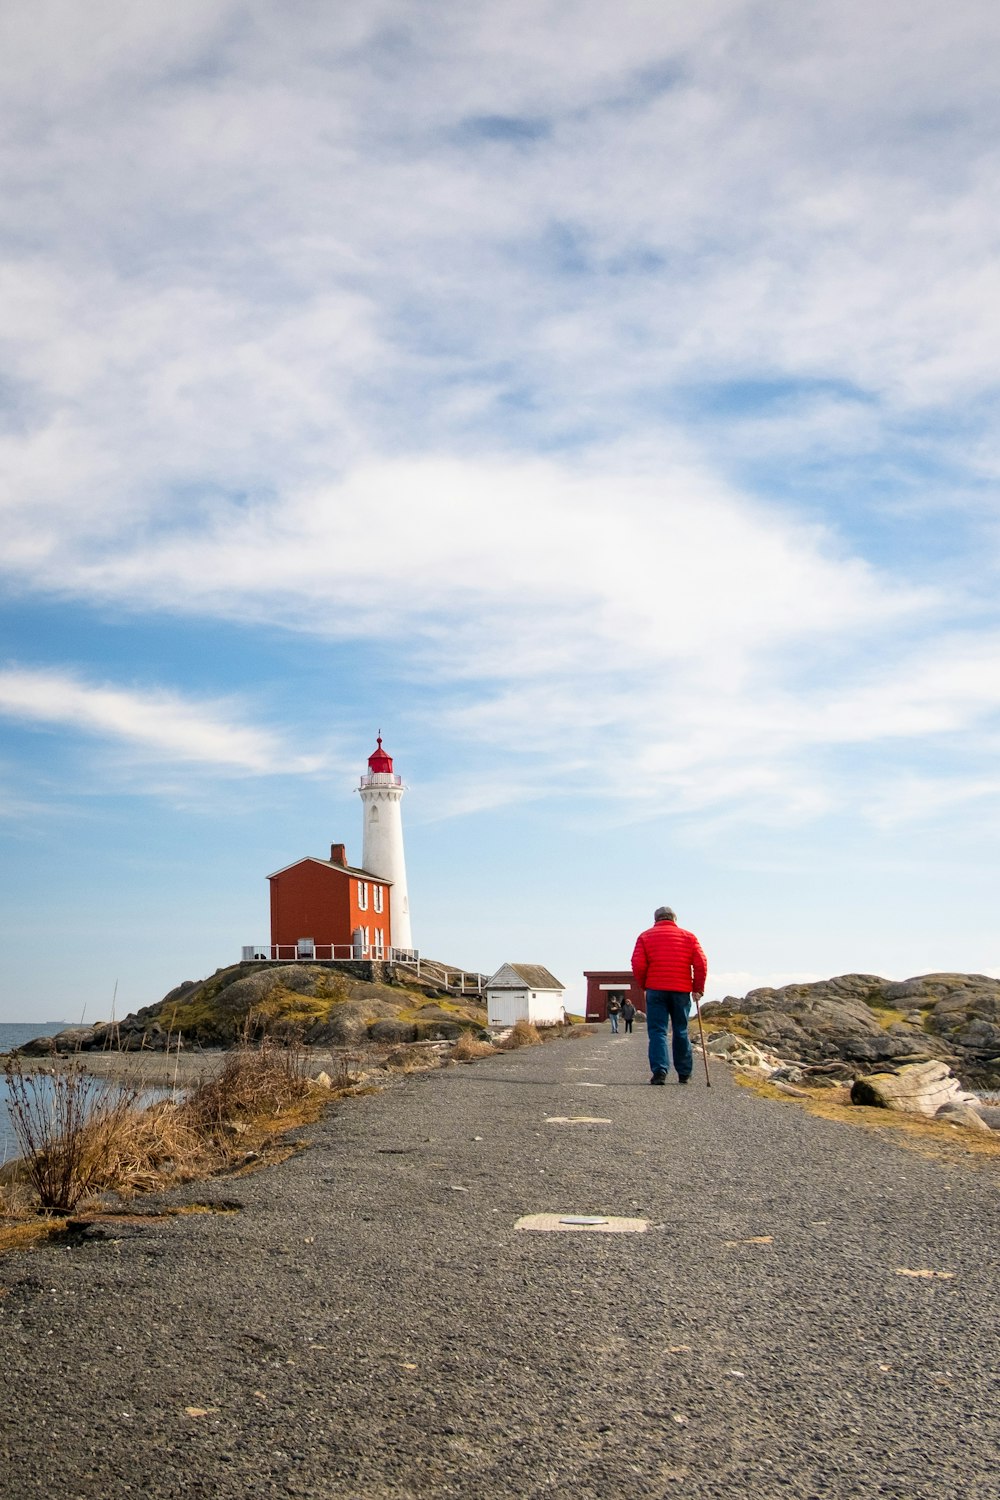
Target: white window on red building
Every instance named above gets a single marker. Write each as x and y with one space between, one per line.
379 940
363 895
368 938
378 897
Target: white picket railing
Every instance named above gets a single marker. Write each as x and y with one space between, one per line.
336 953
461 981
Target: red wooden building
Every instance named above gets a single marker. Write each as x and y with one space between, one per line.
327 909
602 983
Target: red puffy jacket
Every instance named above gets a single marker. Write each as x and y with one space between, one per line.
666 957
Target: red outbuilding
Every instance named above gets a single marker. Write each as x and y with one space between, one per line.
328 909
603 983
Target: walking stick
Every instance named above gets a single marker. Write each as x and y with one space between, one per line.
704 1049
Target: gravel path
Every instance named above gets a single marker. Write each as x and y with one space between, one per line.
370 1323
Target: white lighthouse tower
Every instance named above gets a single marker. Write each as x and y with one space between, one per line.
382 848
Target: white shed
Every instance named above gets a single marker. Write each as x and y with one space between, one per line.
524 992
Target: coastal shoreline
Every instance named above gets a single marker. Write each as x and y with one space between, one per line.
180 1070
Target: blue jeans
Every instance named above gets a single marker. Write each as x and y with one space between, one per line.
666 1008
613 1018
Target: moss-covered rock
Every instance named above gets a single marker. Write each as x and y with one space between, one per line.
323 1004
326 1005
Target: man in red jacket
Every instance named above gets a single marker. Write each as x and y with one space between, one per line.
669 965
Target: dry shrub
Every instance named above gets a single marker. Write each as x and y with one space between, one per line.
16 1198
82 1135
55 1117
469 1047
254 1083
144 1149
522 1034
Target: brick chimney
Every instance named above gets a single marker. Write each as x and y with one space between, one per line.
338 854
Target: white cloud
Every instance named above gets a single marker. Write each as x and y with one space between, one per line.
611 625
278 222
662 563
300 292
163 726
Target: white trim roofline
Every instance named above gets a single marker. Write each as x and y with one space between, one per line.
328 864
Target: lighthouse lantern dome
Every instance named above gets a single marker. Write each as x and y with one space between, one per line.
379 762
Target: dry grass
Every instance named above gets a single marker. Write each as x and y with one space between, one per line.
936 1138
566 1031
522 1034
411 1057
82 1136
254 1083
22 1234
887 1015
57 1118
145 1149
469 1047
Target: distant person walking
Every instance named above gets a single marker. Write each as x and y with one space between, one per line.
628 1015
614 1010
670 966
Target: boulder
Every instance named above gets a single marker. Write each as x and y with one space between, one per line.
723 1043
954 1113
441 1029
979 1036
741 1053
347 1026
393 1031
39 1046
72 1039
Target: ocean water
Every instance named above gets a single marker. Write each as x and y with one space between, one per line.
15 1034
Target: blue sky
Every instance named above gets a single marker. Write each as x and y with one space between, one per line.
600 401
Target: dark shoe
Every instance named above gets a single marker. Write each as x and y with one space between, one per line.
685 1079
659 1078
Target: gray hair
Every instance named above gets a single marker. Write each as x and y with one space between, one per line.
664 914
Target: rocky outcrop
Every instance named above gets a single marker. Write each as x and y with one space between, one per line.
867 1022
925 1088
73 1039
346 1005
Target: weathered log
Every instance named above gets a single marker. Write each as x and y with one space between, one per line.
921 1088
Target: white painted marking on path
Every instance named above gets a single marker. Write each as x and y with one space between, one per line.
576 1120
581 1224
